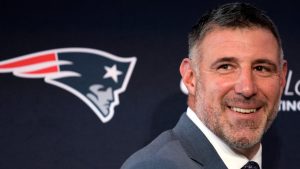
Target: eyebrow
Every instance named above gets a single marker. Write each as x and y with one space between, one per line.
224 59
265 61
233 59
268 62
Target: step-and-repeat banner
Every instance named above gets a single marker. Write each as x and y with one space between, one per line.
84 84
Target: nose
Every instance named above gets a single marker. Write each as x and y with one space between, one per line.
246 84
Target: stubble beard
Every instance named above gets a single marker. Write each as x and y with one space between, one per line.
229 133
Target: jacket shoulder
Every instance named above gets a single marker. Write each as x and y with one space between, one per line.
165 152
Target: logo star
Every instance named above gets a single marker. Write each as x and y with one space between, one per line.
112 72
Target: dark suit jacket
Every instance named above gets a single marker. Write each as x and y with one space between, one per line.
183 147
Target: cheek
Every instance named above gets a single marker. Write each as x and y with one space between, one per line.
211 95
220 87
270 89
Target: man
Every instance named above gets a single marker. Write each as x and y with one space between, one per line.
235 75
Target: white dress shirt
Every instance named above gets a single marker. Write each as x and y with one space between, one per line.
231 159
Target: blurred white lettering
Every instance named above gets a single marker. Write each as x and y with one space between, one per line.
183 87
288 105
288 86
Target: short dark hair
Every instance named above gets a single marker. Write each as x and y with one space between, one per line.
231 15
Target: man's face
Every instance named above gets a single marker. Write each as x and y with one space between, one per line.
238 83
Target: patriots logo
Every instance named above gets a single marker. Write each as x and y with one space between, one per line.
94 76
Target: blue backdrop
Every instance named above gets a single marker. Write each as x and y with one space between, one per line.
43 126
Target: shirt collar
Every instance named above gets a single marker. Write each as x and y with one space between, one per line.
231 159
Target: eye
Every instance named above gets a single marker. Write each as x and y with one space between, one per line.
262 69
225 68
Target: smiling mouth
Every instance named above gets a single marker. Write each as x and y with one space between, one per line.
242 110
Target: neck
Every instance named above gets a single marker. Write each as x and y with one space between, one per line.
248 152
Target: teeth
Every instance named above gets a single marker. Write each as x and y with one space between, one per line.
245 111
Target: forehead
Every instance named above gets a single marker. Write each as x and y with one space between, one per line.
239 42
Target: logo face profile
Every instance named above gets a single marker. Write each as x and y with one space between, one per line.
94 76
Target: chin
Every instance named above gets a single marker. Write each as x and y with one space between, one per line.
244 142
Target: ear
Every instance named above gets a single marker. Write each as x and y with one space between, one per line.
188 75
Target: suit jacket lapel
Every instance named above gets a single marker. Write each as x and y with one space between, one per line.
196 144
